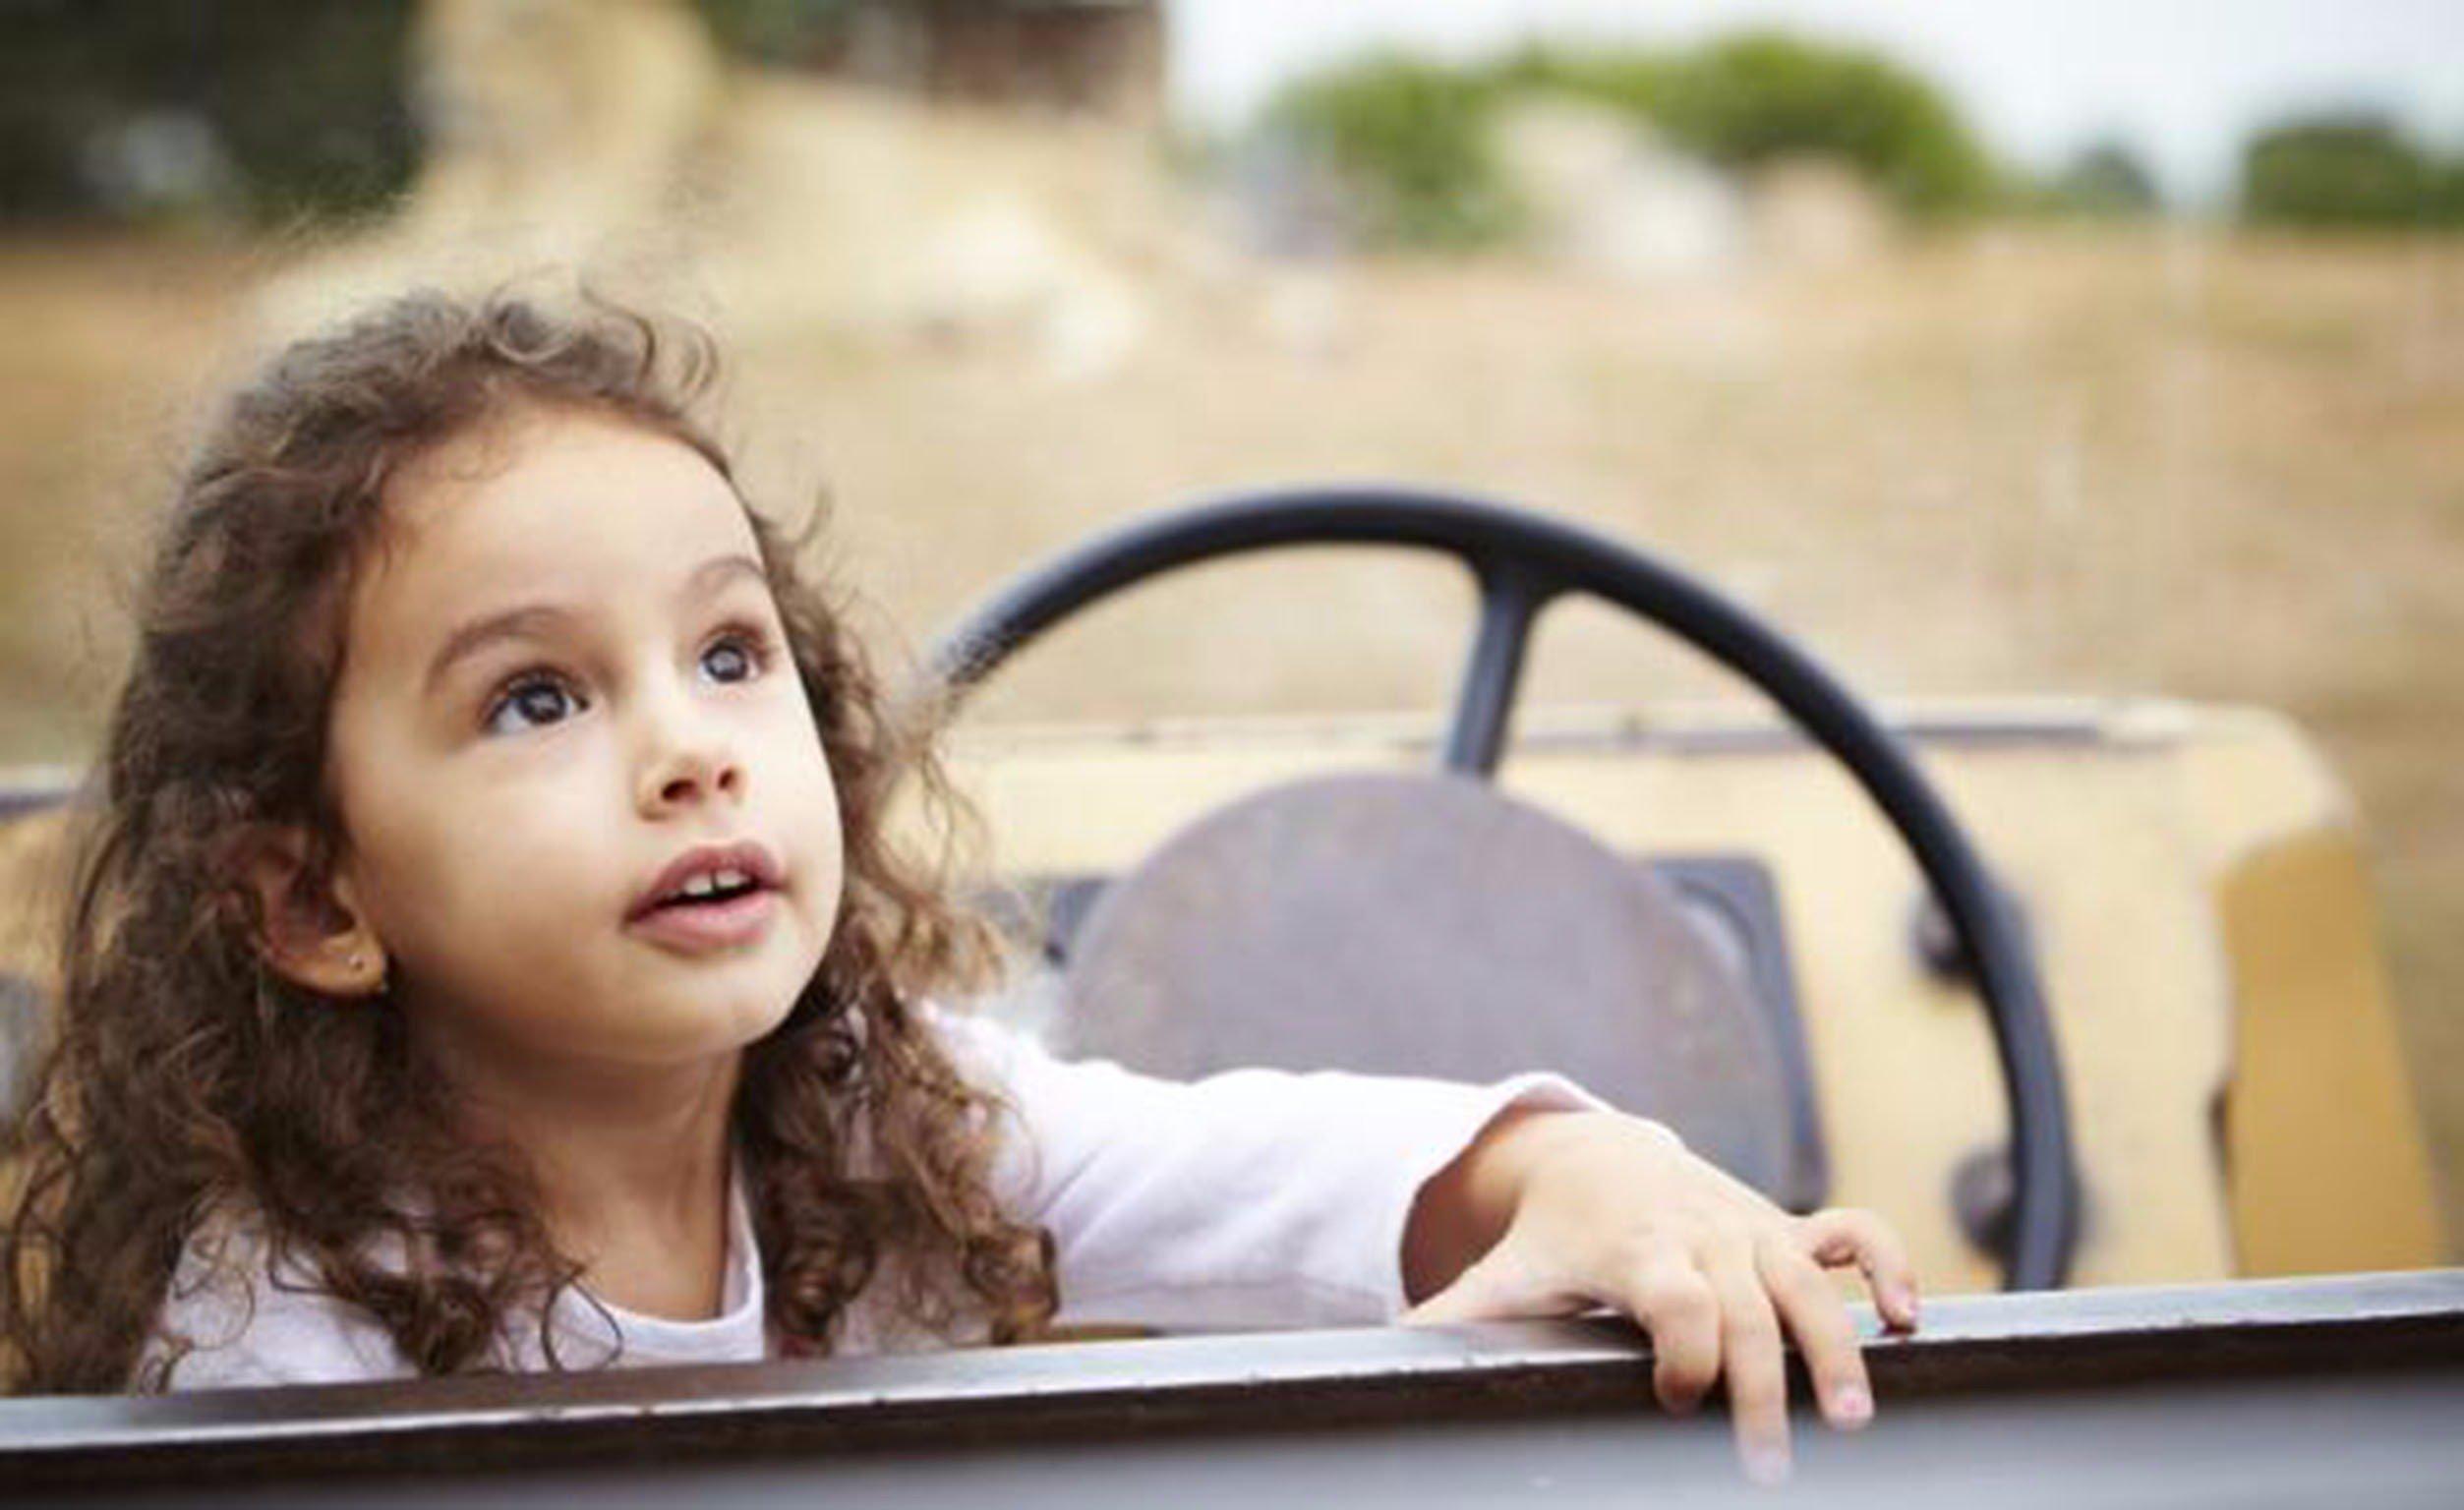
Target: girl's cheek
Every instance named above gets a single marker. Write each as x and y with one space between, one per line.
533 792
785 728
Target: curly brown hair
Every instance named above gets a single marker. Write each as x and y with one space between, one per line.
188 1078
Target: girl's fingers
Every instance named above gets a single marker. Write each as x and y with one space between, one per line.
1673 1302
1838 1236
1749 1347
1834 1359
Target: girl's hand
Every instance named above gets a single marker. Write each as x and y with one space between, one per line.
1602 1209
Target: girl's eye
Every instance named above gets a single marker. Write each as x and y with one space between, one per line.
739 655
532 701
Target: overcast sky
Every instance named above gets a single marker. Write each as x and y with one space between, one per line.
2185 81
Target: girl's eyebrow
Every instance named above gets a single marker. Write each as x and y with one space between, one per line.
529 620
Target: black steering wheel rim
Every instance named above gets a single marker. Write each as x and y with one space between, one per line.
1521 562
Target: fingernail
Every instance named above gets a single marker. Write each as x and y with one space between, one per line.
1767 1466
1852 1406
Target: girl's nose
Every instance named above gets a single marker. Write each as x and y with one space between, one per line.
692 776
691 760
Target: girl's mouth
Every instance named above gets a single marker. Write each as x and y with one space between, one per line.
707 924
710 896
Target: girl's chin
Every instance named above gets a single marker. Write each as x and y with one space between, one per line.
764 1023
707 1032
736 1026
664 1023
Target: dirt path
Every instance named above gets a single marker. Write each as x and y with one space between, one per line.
2039 462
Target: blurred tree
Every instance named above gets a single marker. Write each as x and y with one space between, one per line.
302 100
2349 169
1641 83
2107 179
1749 99
1412 137
1415 130
2446 193
47 108
780 30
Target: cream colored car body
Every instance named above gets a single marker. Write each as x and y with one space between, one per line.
2191 876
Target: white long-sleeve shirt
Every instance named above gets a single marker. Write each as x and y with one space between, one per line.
1254 1198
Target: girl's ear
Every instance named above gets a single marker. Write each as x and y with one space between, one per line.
310 927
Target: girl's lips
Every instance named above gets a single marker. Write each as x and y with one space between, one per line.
752 858
706 927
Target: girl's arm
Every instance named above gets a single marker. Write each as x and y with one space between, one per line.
1265 1199
1254 1198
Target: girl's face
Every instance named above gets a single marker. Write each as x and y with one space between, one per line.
564 678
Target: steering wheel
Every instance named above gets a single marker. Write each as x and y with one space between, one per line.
1521 562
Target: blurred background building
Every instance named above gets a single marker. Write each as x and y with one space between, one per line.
1100 56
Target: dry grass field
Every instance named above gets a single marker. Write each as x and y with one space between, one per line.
2012 461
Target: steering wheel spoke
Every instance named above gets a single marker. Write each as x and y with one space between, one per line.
1511 598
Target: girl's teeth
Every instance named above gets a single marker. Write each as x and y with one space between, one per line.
711 881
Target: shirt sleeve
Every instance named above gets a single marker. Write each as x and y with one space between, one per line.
1248 1199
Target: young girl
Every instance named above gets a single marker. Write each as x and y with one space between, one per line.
491 955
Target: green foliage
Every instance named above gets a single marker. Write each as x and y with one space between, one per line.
1412 137
2346 170
1643 84
41 120
303 97
1745 101
2446 193
776 31
2106 180
1414 131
